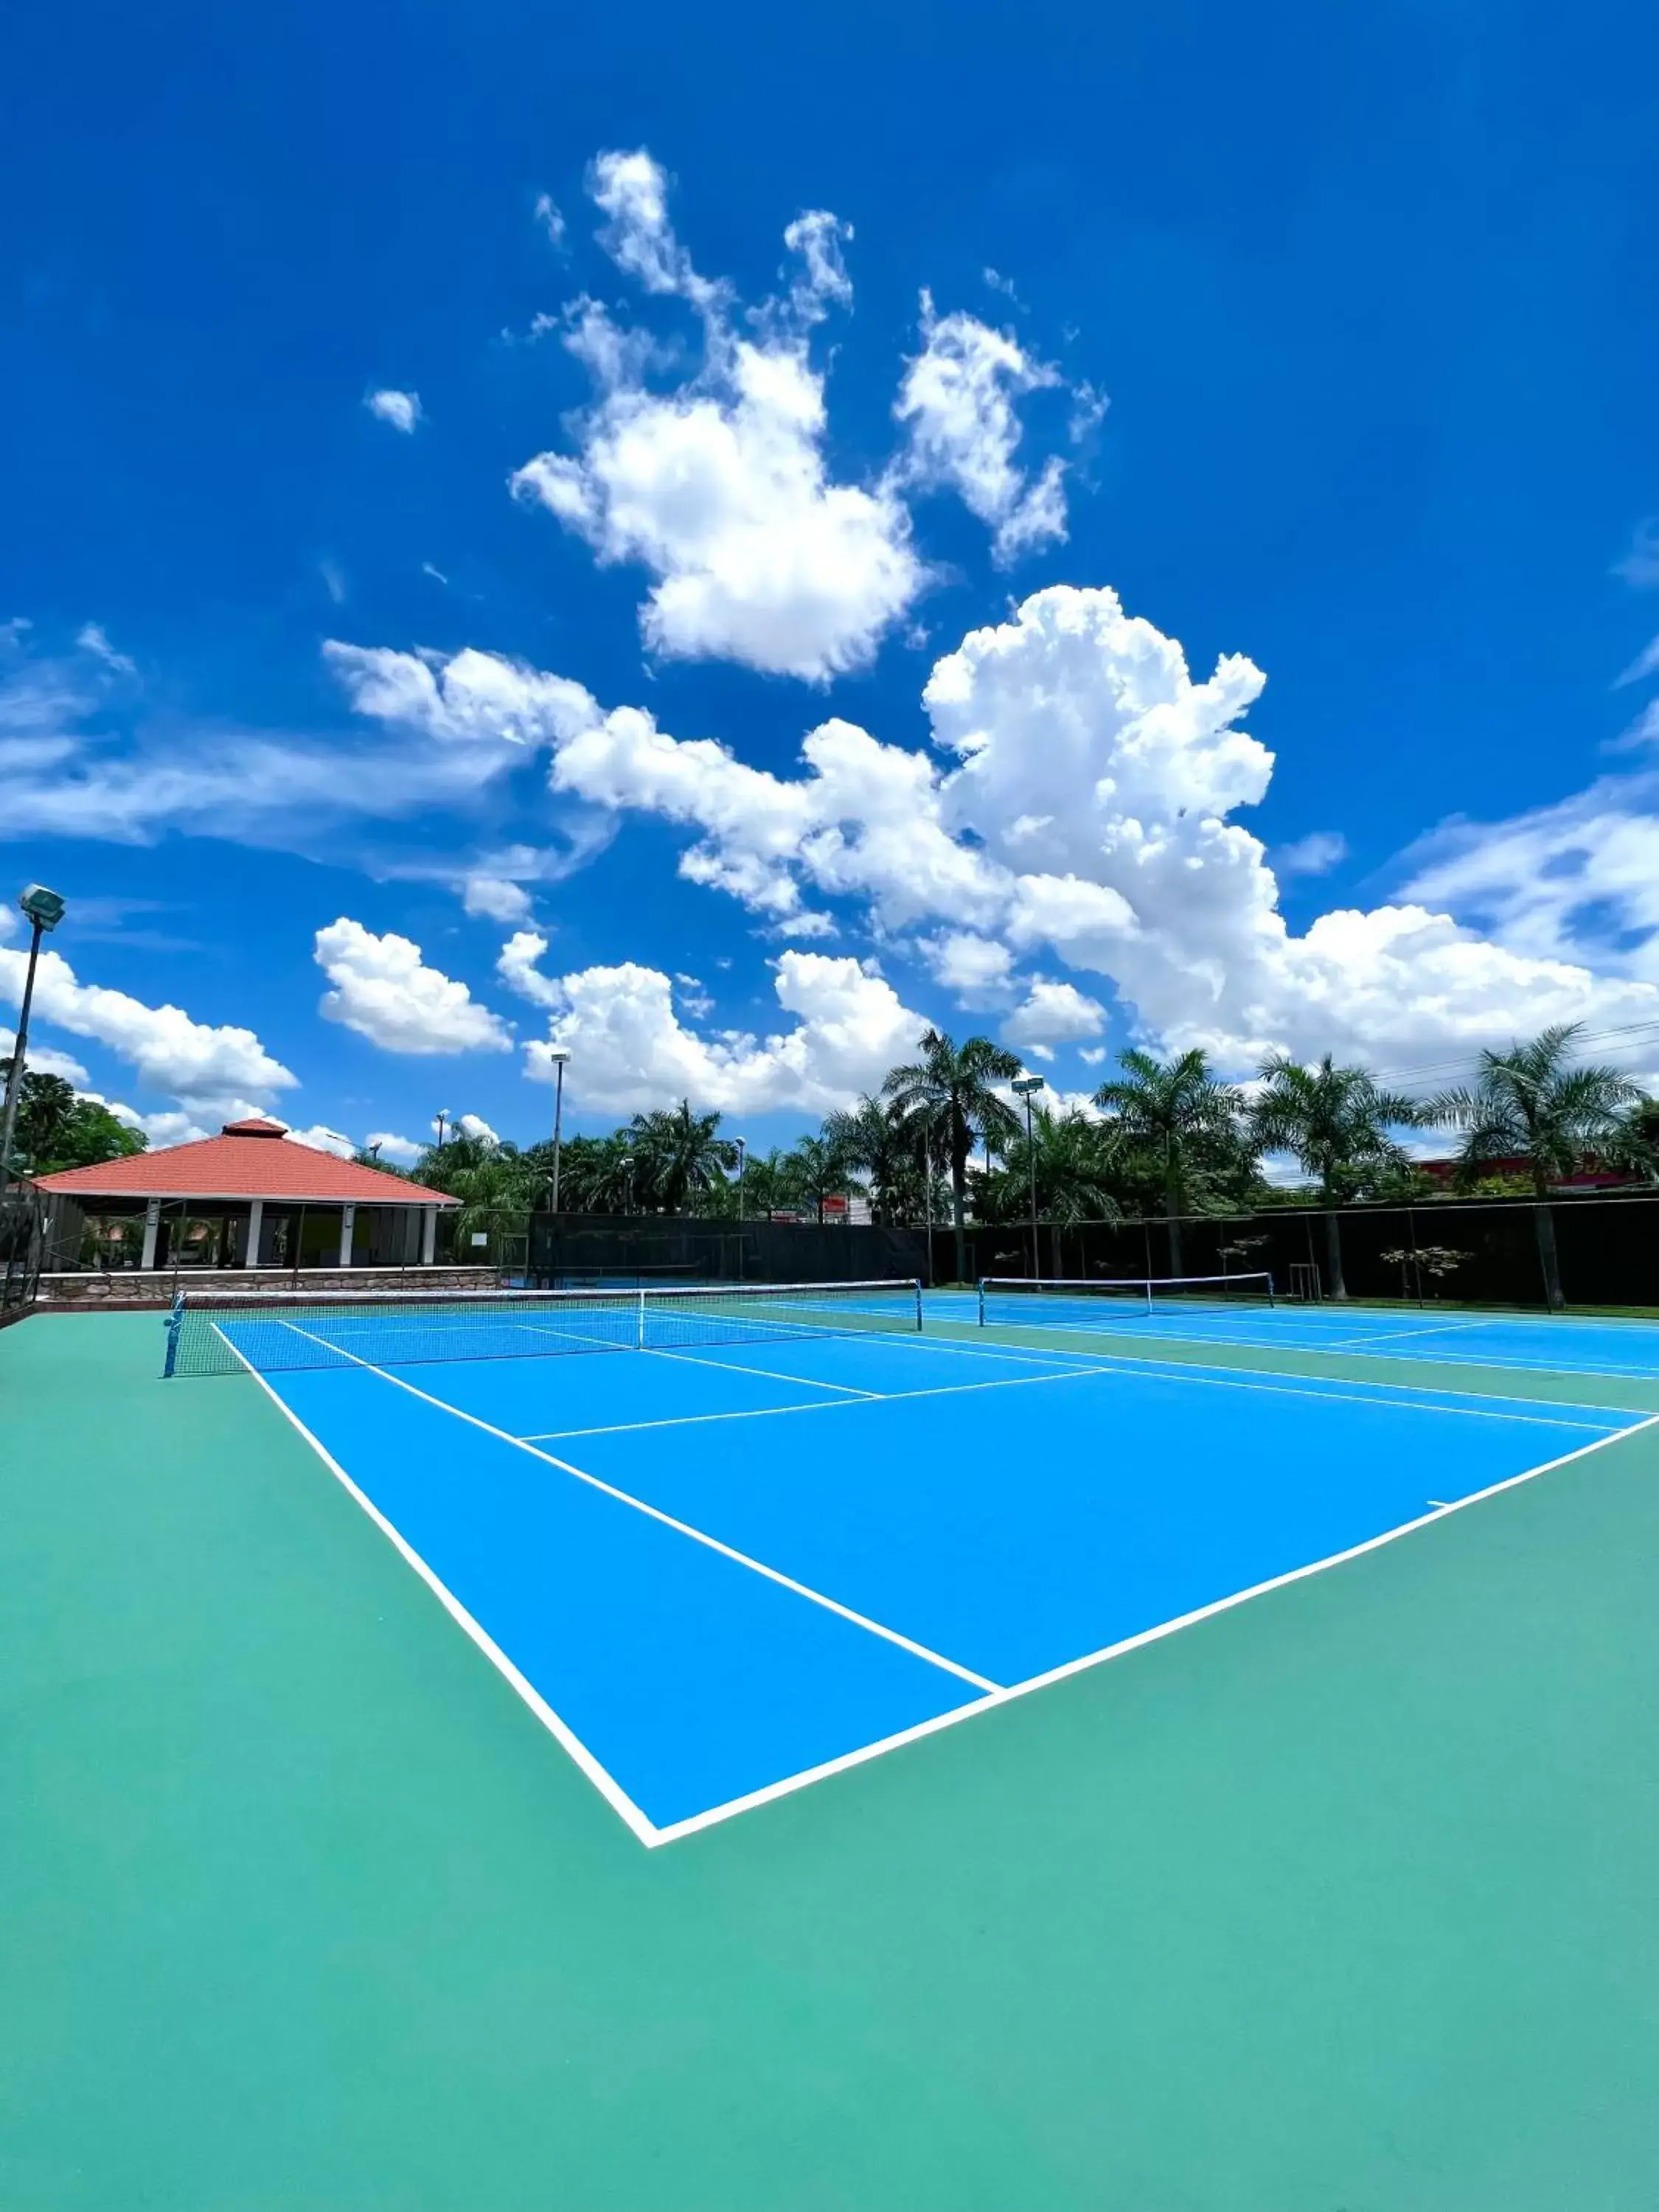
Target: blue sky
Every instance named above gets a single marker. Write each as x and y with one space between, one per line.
1190 477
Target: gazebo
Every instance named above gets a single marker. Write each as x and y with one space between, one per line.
251 1197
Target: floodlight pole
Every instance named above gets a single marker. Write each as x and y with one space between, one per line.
558 1056
440 1117
45 909
1027 1086
742 1143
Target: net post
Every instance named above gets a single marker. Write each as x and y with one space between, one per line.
641 1343
981 1301
1147 1287
175 1317
918 1290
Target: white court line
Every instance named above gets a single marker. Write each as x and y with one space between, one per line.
1198 1367
1449 1359
772 1374
717 1814
1376 1393
652 1836
1392 1335
668 1521
818 1405
611 1790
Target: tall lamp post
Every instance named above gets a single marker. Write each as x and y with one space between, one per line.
742 1143
1027 1087
559 1055
628 1170
440 1117
45 909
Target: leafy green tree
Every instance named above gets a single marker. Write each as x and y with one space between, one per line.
871 1139
948 1102
1076 1162
1532 1103
1334 1122
812 1171
1633 1146
677 1154
1181 1118
58 1127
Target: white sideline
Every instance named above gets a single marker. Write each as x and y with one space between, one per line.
611 1790
716 1814
1284 1385
668 1520
638 1822
819 1405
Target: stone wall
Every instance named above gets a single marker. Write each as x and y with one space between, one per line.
138 1289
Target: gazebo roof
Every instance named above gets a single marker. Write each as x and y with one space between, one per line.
254 1158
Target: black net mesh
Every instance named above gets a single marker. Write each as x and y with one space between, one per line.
225 1333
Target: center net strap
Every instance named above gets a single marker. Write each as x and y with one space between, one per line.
227 1332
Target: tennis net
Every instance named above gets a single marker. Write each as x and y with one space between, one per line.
228 1331
1024 1300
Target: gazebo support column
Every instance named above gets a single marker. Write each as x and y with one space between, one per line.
429 1235
348 1225
152 1230
256 1225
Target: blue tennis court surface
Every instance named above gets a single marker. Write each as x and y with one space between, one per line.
1564 1344
718 1572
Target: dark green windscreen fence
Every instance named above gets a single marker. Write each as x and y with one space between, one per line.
1480 1252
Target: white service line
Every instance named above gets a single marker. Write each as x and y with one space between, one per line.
1447 1359
602 1779
717 1814
669 1521
819 1405
772 1374
1392 1335
1376 1393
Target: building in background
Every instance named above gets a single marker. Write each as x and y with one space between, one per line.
250 1197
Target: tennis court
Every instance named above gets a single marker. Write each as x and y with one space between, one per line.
792 1793
1236 1310
768 1534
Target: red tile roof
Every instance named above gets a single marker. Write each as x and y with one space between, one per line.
249 1159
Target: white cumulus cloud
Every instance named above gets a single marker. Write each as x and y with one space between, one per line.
402 1151
721 485
401 409
957 402
494 899
1053 1013
202 1064
1081 806
630 1051
321 1139
381 988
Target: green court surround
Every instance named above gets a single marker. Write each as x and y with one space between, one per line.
1343 1901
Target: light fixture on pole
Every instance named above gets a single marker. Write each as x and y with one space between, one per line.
440 1117
1027 1086
559 1055
628 1170
742 1143
45 909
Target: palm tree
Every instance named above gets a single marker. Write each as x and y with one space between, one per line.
1634 1146
813 1171
1335 1122
678 1154
1528 1103
871 1137
1074 1160
1180 1115
946 1103
497 1188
